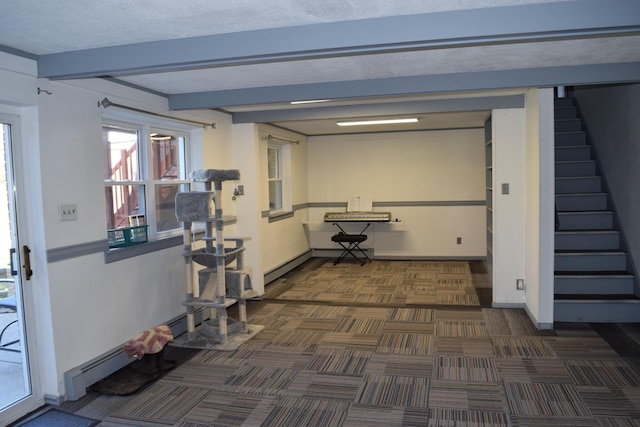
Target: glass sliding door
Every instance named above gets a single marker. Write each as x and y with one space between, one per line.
16 390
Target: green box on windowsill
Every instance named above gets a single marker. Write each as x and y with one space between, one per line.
128 236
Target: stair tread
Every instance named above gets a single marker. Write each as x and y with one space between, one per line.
599 193
597 298
608 211
612 231
590 229
596 273
566 213
590 252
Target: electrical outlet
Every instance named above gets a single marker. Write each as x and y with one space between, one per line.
459 240
68 212
520 284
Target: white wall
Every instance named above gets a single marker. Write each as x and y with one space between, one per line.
427 175
284 240
273 243
540 175
96 306
247 207
508 144
82 306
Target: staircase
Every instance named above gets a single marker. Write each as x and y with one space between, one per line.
593 282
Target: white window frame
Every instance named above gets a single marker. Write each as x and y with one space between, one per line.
284 177
182 181
145 183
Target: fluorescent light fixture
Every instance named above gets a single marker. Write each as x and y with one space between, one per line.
378 122
310 101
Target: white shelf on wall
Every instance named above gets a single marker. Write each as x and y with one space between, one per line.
488 150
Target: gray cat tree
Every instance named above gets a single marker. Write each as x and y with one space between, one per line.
220 283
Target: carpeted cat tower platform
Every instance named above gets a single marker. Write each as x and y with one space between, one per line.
224 280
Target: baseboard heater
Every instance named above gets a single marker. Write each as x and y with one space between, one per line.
77 380
288 266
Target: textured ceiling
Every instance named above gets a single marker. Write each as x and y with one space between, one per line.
53 28
401 64
43 27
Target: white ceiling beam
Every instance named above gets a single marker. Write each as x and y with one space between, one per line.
462 28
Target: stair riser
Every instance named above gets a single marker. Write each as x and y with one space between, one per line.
593 285
578 185
563 113
567 101
563 139
596 313
582 152
587 241
586 221
582 202
570 125
584 168
590 262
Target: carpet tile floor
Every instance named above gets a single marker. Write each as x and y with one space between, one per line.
345 358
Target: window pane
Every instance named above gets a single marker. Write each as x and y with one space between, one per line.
122 154
274 163
165 156
275 195
166 205
123 201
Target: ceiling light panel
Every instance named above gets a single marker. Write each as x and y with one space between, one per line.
378 122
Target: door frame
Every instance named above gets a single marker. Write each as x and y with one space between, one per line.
21 202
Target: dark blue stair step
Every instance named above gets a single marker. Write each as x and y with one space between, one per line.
590 261
593 220
593 284
573 152
570 138
575 168
580 184
581 202
563 102
597 310
565 112
602 240
568 125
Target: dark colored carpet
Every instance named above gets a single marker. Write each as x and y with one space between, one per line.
143 372
619 340
55 418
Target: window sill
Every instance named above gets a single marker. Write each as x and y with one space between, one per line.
119 254
279 216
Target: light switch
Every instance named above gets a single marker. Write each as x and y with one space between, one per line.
505 188
68 212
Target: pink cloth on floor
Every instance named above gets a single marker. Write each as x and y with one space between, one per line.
150 341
